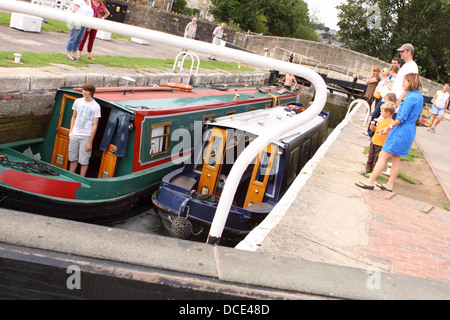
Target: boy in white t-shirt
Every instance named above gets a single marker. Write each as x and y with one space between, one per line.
83 126
440 103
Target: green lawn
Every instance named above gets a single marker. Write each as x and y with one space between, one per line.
32 59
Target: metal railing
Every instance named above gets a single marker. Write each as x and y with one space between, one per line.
57 4
296 57
180 64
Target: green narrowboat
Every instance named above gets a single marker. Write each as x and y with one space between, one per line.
143 134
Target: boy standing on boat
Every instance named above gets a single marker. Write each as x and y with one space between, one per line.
83 126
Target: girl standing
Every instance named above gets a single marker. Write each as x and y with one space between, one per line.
101 12
82 7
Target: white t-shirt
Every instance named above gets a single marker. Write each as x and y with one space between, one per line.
407 68
218 32
86 112
441 99
85 10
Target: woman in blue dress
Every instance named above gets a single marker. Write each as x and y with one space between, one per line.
402 133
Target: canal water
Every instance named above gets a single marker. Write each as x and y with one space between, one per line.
147 222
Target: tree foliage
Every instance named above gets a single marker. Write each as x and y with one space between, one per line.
180 6
379 32
285 18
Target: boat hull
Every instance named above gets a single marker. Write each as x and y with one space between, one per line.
98 212
196 224
200 230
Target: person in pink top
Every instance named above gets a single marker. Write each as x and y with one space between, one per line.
100 11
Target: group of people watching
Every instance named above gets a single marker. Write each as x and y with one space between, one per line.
398 105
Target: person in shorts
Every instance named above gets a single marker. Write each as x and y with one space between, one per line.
83 126
440 103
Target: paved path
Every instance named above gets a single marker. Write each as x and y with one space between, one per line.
333 221
436 148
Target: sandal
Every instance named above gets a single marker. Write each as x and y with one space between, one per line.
364 186
365 173
379 185
91 58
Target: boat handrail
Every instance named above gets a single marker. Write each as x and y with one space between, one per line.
258 144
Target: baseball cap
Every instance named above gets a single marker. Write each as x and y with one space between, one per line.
406 46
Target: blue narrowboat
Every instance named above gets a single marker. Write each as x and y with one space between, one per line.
187 197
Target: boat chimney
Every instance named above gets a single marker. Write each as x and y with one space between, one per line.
127 80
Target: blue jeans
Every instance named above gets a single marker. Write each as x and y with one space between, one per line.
375 114
122 120
76 35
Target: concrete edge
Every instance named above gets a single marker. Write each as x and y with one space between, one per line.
227 265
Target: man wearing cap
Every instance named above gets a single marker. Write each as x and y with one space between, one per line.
410 66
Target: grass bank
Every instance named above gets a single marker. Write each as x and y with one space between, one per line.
37 60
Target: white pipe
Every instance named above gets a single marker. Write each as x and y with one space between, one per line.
237 55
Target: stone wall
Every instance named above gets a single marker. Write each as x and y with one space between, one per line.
330 58
142 15
27 97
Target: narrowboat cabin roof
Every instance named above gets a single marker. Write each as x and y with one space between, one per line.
260 121
168 97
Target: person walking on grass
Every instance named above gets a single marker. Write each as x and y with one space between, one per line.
217 36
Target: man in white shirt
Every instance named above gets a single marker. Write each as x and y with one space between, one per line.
440 103
217 38
410 66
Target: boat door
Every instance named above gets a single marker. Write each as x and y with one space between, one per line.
108 163
260 175
61 146
212 161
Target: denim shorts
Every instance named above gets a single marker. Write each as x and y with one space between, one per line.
437 110
77 149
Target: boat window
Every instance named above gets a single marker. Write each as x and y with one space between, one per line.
215 151
202 155
231 112
208 117
263 166
293 161
305 153
271 184
315 140
159 142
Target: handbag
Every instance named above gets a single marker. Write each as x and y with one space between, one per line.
377 95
